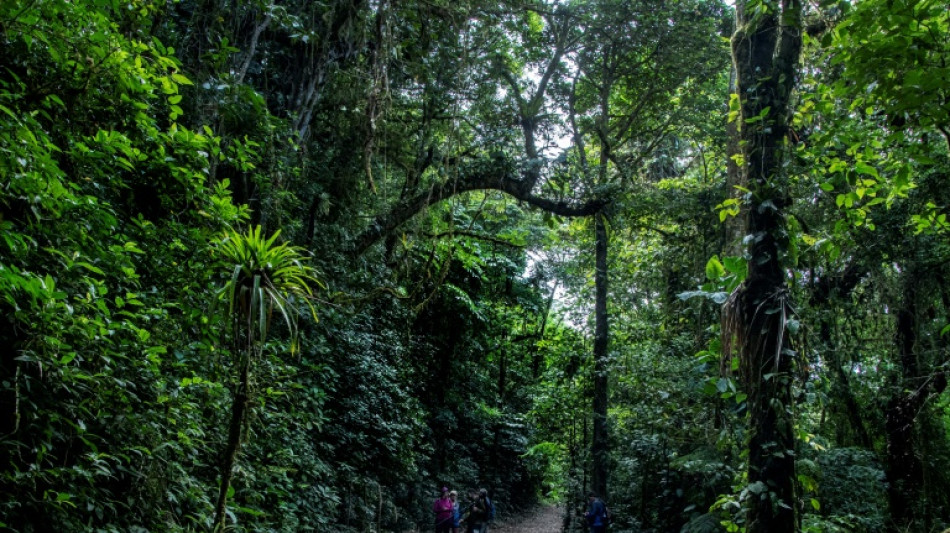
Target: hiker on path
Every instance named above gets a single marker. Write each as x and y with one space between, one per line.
442 508
476 514
456 511
489 509
596 514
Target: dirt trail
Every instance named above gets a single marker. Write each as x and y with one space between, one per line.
541 520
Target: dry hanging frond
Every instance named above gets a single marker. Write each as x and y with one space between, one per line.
758 338
732 329
767 333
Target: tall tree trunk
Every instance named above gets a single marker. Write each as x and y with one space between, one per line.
905 474
229 458
537 356
842 390
765 50
599 447
502 373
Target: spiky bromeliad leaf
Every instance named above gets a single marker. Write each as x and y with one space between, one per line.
266 275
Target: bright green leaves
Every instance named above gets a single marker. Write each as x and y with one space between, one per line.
266 275
722 278
534 21
735 107
932 219
893 51
735 114
849 157
884 111
170 86
82 42
714 269
863 168
730 207
763 114
87 282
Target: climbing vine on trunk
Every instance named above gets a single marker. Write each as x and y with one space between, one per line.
765 50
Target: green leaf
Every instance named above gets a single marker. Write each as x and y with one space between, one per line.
864 168
736 265
181 79
722 385
714 269
10 112
90 268
760 117
252 512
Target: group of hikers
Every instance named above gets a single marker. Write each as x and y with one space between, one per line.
479 512
450 514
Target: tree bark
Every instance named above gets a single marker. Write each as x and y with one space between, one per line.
599 446
502 374
765 50
238 409
537 356
904 470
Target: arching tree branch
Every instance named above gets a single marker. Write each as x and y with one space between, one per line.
489 179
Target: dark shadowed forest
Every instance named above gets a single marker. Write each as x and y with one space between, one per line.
295 265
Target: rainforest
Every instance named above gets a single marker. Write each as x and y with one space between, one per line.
296 265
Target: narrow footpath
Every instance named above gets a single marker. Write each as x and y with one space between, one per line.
546 519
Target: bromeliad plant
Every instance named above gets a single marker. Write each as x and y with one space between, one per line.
265 276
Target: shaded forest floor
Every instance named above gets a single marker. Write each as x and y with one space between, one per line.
546 519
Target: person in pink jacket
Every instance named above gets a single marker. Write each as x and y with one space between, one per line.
442 508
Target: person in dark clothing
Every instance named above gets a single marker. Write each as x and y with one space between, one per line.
456 511
596 514
476 514
489 509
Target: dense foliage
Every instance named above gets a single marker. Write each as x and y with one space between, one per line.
293 266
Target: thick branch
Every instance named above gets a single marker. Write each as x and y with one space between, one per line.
789 48
552 67
473 235
529 109
411 205
252 48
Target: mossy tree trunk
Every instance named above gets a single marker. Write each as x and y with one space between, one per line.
599 446
765 49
